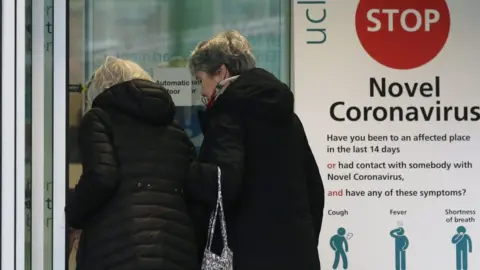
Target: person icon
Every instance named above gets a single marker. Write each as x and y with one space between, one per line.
463 246
339 244
401 245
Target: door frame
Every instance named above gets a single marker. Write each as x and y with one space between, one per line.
8 136
38 136
60 128
13 134
49 133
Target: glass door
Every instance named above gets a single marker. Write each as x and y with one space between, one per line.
42 217
41 138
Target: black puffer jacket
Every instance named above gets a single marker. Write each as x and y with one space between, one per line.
129 201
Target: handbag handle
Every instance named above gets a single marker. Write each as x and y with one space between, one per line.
218 212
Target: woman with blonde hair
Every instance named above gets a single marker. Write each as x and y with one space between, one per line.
272 190
129 201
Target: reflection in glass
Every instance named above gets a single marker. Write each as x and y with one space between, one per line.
28 135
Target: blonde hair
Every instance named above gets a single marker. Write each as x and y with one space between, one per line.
113 71
229 48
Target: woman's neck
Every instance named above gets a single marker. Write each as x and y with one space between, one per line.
224 84
221 86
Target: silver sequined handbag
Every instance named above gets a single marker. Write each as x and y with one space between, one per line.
212 261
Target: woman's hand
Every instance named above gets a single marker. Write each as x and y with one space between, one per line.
73 238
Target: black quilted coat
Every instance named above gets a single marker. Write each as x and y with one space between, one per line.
271 185
129 201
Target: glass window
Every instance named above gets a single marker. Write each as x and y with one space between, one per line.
159 33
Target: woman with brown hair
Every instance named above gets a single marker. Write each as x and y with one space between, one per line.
271 187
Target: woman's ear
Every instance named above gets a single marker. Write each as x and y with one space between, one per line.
223 72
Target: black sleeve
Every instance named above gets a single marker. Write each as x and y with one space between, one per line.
316 191
222 147
99 179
